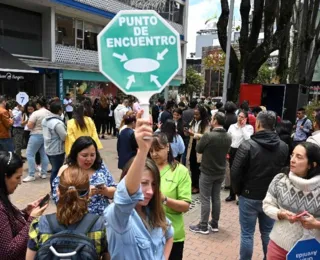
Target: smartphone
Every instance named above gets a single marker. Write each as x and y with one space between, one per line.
99 185
301 214
44 201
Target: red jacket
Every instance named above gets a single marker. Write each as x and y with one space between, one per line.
14 234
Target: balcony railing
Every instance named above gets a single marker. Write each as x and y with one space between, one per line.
72 55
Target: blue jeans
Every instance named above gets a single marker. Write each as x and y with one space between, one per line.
249 211
56 163
6 144
35 144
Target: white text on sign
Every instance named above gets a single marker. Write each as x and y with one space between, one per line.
140 31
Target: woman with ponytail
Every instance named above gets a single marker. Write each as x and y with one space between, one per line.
72 207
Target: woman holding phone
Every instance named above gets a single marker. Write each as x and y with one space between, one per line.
136 224
291 194
14 223
198 126
85 155
240 132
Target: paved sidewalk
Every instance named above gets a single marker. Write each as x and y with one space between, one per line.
219 246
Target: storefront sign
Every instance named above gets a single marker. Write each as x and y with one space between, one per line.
140 53
11 76
308 249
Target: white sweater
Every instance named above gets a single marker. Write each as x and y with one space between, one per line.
294 194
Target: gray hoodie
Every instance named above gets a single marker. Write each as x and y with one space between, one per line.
54 134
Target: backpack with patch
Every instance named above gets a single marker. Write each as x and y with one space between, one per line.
69 243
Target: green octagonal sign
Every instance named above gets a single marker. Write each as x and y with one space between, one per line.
139 52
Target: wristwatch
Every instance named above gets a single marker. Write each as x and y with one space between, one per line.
164 202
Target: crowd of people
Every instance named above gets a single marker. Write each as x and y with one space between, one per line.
270 166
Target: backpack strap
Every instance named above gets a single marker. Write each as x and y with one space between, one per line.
87 223
83 227
304 121
54 225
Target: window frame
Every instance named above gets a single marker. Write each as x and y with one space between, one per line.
75 28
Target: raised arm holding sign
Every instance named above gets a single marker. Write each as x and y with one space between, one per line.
140 53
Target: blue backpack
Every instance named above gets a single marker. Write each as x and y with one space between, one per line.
68 243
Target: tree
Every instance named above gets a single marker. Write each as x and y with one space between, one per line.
253 54
194 83
265 74
306 41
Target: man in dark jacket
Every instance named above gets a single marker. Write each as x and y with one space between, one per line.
156 109
214 147
167 113
188 114
187 117
257 161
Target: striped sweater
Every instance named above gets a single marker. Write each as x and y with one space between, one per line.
295 194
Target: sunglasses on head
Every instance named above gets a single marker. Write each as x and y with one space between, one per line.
83 193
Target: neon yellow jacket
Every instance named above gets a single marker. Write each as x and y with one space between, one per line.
74 132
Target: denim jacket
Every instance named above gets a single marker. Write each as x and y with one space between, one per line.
54 134
128 238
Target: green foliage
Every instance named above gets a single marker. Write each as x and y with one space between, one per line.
194 83
311 107
265 74
215 61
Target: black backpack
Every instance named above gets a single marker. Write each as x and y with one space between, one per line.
69 243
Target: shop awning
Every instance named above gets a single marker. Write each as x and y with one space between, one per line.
9 63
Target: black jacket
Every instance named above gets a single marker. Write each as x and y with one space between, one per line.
165 116
256 162
180 128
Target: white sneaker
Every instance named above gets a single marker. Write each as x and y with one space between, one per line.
29 179
43 176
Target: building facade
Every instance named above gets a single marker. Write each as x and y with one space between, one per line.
58 38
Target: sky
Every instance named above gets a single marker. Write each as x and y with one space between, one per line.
199 12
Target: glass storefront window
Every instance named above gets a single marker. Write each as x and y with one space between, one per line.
20 31
65 33
178 10
77 33
79 30
173 11
91 32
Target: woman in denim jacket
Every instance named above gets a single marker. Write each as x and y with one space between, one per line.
137 227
